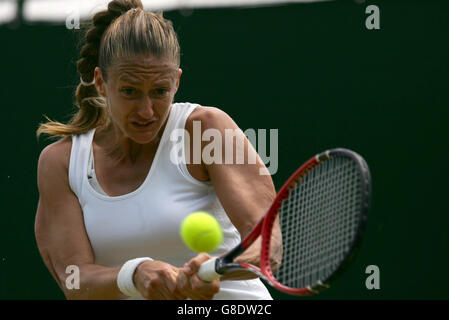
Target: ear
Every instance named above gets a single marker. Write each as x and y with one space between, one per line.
100 84
179 79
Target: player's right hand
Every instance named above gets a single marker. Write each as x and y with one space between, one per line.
157 280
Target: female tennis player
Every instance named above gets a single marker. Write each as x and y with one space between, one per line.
112 200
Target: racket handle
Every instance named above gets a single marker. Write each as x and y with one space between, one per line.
207 270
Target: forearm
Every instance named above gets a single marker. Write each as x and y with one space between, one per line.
95 283
252 256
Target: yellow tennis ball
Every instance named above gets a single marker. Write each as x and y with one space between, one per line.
201 232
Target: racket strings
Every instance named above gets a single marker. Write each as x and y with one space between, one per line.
319 221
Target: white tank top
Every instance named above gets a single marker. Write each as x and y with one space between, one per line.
146 222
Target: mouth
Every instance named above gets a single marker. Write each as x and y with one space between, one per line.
142 125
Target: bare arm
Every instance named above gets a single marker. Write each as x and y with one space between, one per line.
60 231
62 241
244 192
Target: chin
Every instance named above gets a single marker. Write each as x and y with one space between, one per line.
143 137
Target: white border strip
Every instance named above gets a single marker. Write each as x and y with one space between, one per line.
8 11
58 11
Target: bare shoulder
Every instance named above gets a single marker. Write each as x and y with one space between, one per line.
55 156
210 117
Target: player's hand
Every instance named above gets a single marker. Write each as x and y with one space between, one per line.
157 280
192 286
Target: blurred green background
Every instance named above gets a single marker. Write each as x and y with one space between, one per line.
312 71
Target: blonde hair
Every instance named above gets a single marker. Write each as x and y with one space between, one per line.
123 30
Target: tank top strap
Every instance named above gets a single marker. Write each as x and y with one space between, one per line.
179 114
79 157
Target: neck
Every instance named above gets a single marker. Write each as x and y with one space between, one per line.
123 149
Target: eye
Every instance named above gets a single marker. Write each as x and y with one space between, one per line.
162 91
128 91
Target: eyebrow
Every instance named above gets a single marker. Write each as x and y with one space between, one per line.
130 80
136 82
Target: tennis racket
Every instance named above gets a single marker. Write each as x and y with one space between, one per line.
322 210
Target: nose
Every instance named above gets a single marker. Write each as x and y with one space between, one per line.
145 109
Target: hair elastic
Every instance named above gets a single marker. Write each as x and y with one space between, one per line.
87 83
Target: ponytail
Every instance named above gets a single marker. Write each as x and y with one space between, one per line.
138 32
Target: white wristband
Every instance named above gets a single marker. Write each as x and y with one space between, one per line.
125 277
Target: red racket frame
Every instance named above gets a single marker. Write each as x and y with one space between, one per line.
265 226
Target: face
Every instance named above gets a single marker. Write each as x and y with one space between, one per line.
139 93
